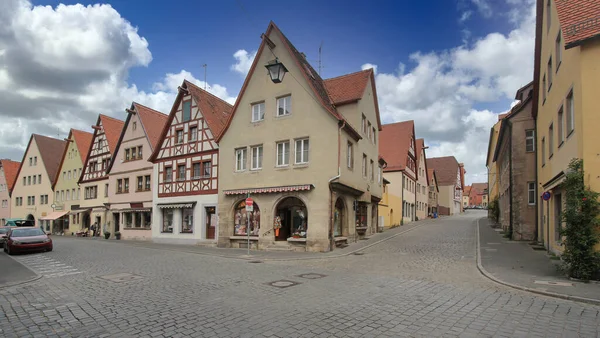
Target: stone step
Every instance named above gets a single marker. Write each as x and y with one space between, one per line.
207 244
279 248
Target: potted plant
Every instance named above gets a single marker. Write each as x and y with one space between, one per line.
117 235
106 235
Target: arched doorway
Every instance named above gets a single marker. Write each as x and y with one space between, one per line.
241 219
291 217
31 220
338 218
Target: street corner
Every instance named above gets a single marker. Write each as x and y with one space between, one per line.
13 272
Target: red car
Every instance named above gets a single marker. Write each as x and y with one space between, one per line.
26 239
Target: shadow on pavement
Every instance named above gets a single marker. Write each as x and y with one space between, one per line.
13 272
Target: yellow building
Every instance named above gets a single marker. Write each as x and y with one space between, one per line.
390 206
490 163
566 101
67 192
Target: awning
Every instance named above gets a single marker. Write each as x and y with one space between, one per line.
176 205
54 215
269 190
75 212
133 210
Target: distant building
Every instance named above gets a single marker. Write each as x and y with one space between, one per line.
450 176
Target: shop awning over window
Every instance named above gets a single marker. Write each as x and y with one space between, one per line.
54 215
176 205
134 210
270 190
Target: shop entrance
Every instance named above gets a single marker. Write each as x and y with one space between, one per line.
211 222
338 218
291 219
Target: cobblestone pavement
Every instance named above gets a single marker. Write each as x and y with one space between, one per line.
423 283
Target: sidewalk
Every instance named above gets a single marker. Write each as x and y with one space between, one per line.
516 264
263 255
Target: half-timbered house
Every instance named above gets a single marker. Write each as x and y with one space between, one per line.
185 192
94 178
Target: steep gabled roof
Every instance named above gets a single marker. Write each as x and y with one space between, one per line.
215 111
394 142
83 140
467 190
112 129
152 122
446 168
579 20
11 169
313 79
51 151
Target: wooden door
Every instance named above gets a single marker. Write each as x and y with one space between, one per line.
211 225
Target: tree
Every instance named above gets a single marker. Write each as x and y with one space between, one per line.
580 259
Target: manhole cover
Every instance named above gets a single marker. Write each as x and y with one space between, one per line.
547 282
311 275
282 284
121 277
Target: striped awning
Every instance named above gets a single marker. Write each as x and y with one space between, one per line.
270 190
176 205
133 210
54 215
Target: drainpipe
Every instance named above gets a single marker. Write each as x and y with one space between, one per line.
403 204
331 240
510 181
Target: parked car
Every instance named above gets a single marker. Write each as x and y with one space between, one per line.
3 232
26 239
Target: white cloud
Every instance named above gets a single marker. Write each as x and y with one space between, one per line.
61 66
439 93
465 16
484 7
243 61
368 66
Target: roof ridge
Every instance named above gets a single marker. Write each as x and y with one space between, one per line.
152 110
407 121
209 93
349 74
110 117
81 131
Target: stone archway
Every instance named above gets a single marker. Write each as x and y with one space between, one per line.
339 218
291 217
241 218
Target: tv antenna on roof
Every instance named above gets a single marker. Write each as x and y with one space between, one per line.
204 66
320 49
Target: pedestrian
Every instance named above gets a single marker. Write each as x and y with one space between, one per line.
93 230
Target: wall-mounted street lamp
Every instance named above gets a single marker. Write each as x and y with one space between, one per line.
276 70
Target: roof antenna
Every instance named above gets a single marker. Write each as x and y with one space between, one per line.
320 48
204 65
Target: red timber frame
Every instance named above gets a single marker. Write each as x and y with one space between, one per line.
97 156
187 153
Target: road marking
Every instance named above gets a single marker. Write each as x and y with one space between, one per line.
46 266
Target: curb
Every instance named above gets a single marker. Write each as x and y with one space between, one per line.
251 258
33 279
485 273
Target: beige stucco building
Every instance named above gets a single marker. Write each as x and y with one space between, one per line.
32 193
422 197
434 191
8 173
450 176
565 104
130 173
305 150
66 189
94 178
397 144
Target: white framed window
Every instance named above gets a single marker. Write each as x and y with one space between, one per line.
258 112
350 155
240 159
283 153
284 105
364 165
530 140
257 157
302 147
549 74
531 193
570 113
364 124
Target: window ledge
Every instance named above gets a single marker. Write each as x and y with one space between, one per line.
300 165
292 239
551 155
570 133
252 238
130 228
561 143
166 232
186 232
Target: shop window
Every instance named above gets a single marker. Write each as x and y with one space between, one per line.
361 214
291 219
241 219
187 225
147 218
167 220
138 219
128 219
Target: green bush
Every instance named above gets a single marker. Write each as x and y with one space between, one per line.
494 210
581 212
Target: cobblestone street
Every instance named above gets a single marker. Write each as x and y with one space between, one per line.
424 283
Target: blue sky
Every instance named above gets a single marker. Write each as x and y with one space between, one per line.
450 65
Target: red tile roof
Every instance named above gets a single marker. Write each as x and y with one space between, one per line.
501 116
112 129
579 19
394 142
215 111
446 169
11 169
313 79
347 88
153 122
479 188
467 190
51 151
83 140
